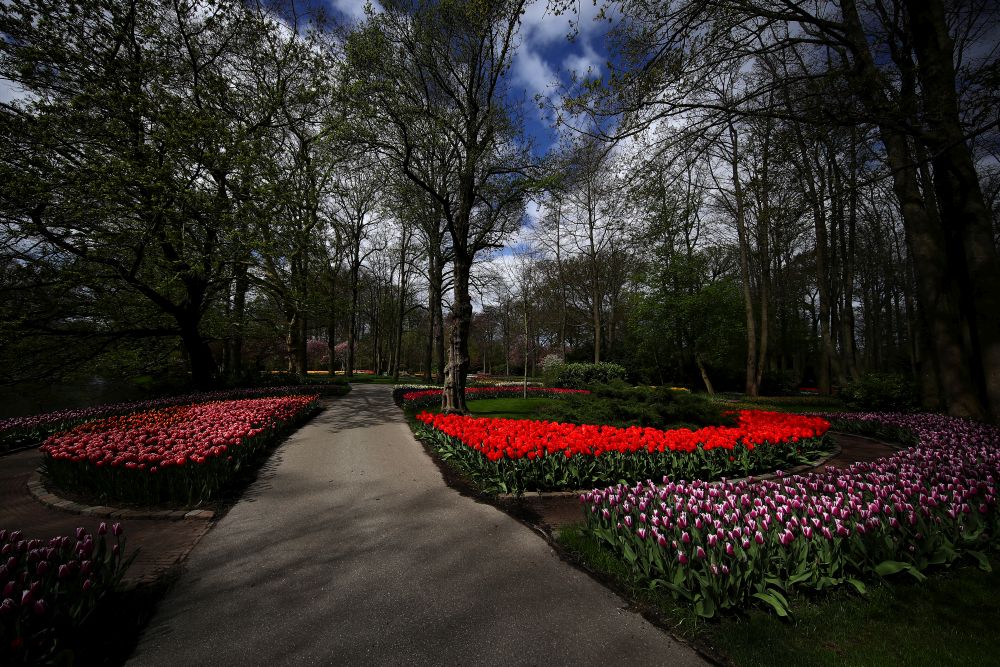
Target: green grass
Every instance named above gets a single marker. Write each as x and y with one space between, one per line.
510 408
950 619
793 404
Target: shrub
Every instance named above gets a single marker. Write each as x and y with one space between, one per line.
621 405
882 392
581 375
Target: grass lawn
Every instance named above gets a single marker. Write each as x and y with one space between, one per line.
950 619
503 408
510 408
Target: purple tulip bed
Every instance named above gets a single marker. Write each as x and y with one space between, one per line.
50 589
731 545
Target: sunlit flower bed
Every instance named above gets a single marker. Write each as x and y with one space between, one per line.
422 398
512 455
728 545
49 587
181 454
33 429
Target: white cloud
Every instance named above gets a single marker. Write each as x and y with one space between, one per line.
586 62
532 71
11 92
354 10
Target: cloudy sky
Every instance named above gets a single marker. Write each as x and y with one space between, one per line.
545 55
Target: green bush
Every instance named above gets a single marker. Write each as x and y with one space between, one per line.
621 405
881 392
581 375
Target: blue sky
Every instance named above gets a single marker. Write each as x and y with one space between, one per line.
544 57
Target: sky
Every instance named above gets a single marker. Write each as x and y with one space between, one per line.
545 56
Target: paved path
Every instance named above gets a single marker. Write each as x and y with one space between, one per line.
350 550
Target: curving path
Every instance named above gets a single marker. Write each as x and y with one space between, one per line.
351 550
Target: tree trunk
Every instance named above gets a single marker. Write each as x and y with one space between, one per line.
751 386
937 292
704 374
352 327
969 224
460 319
199 354
331 326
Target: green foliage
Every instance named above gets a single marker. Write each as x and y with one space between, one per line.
948 619
581 375
883 392
621 405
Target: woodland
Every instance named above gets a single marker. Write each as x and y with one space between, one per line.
758 196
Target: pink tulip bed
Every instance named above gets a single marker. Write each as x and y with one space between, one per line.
49 589
177 455
728 545
17 432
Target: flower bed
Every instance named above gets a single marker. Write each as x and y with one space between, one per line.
32 430
48 588
728 545
512 455
422 398
182 454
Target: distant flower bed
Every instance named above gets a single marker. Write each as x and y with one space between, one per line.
486 381
49 587
33 429
511 455
728 545
425 397
181 454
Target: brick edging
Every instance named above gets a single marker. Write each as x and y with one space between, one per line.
38 491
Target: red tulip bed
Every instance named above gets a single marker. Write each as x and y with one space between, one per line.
48 589
415 397
732 544
32 430
512 455
182 454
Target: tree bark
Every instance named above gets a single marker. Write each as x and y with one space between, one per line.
938 295
963 208
460 319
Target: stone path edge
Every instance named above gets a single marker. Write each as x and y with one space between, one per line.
38 491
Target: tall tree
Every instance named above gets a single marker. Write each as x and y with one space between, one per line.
438 67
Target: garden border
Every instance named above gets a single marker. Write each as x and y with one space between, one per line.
797 470
40 492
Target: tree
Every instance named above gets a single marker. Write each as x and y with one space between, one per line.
126 154
429 68
890 64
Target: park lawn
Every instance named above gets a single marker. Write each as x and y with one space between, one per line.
503 408
793 404
950 619
510 408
